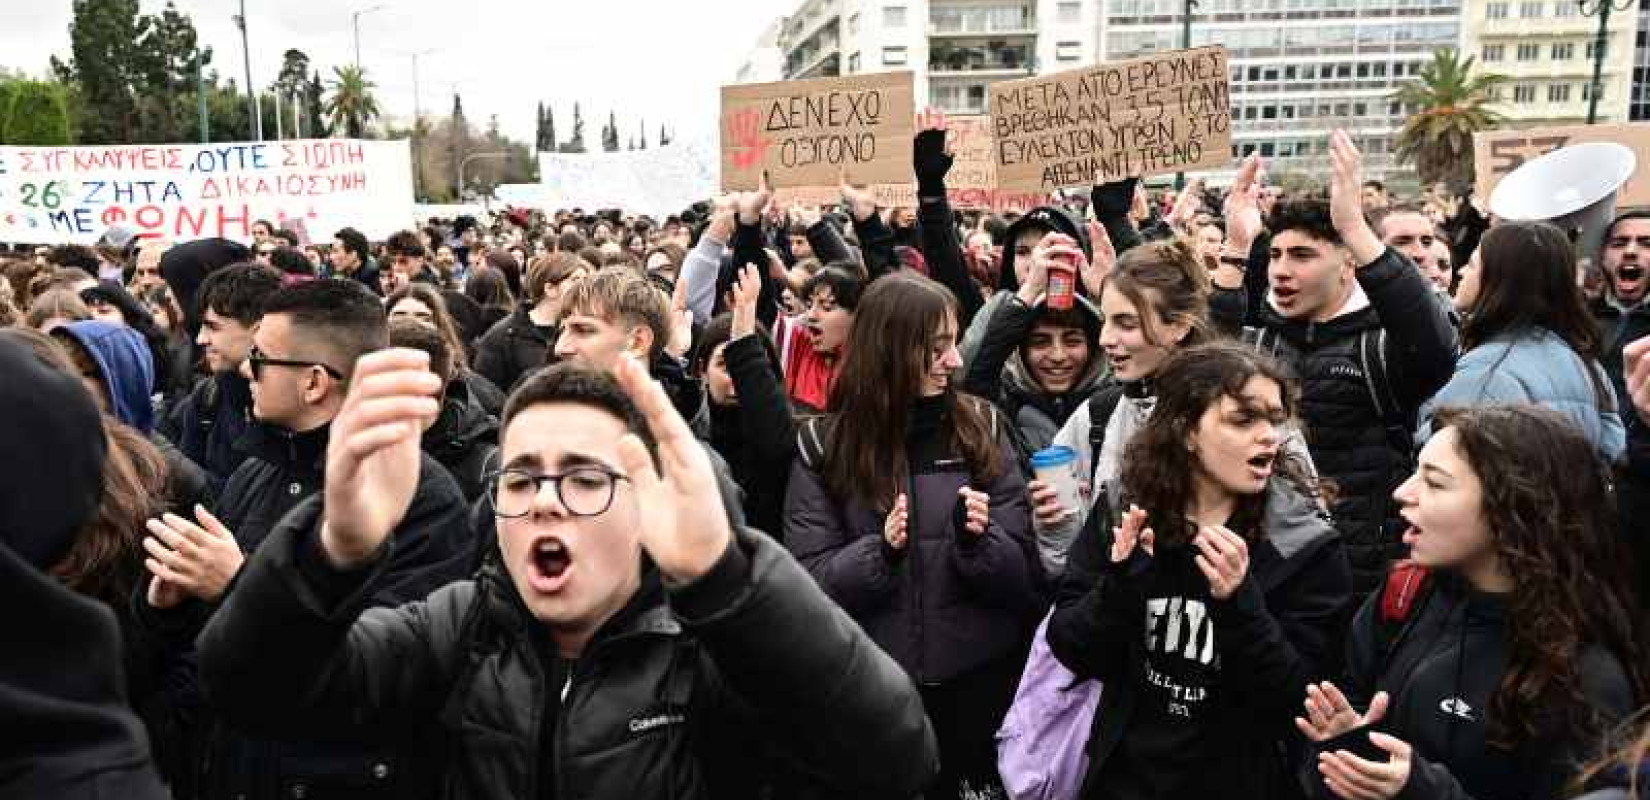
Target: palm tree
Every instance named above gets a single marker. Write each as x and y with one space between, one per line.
351 105
1451 104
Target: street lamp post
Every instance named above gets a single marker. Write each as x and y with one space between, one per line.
251 90
355 23
1185 44
1602 8
465 161
418 115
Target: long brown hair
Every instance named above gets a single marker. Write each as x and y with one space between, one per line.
1167 286
106 560
888 353
443 322
1158 467
1551 516
1527 278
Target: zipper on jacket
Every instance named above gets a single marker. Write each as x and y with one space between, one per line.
914 542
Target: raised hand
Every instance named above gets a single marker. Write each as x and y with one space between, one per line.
1224 560
751 205
1187 204
1131 534
197 560
1353 778
976 510
1346 209
894 525
1637 369
805 215
745 291
931 156
1094 271
723 212
860 202
1242 206
373 456
1328 714
687 527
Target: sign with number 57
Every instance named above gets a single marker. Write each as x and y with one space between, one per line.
1497 153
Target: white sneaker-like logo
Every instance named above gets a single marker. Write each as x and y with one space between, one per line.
1455 706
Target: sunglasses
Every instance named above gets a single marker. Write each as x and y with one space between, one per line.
256 360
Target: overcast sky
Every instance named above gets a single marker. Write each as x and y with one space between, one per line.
658 60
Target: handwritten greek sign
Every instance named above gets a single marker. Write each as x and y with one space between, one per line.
1496 153
1161 113
804 133
64 195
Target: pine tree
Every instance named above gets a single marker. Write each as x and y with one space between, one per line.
538 129
664 138
460 133
643 128
576 144
549 129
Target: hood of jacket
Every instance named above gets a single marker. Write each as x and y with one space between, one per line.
463 422
1017 377
124 361
187 264
1044 218
54 480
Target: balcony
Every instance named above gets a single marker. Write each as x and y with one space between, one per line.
994 59
826 64
964 21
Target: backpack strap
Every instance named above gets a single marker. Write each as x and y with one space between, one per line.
1102 405
1377 382
810 442
1407 588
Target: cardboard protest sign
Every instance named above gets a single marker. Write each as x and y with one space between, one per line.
804 133
971 183
658 181
905 195
70 195
1165 112
1497 153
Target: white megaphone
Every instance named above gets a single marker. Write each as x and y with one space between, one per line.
1572 187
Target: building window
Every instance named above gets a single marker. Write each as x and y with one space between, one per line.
1523 93
893 17
1068 51
1069 13
893 56
1531 9
1529 52
1558 93
853 24
1495 52
853 63
1565 8
1495 11
1564 51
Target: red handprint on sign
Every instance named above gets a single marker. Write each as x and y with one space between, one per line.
745 131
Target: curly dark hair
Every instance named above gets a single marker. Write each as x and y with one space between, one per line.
1548 504
1158 466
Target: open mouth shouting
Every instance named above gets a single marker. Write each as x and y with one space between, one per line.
1630 282
1261 465
549 565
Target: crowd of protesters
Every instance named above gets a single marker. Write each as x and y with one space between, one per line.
1191 494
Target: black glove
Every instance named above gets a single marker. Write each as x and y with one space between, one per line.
931 162
1113 200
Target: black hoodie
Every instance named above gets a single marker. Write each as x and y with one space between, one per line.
185 266
464 439
1441 669
67 731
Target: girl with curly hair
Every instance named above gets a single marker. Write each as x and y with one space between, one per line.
1518 651
1208 595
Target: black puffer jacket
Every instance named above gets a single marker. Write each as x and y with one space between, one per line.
948 602
432 550
1441 667
1351 444
757 437
512 348
208 423
464 439
674 698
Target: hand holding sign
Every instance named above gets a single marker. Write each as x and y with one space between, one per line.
931 154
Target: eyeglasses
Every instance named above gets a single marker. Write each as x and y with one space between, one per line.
256 360
584 492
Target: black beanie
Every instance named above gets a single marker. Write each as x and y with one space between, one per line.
53 439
